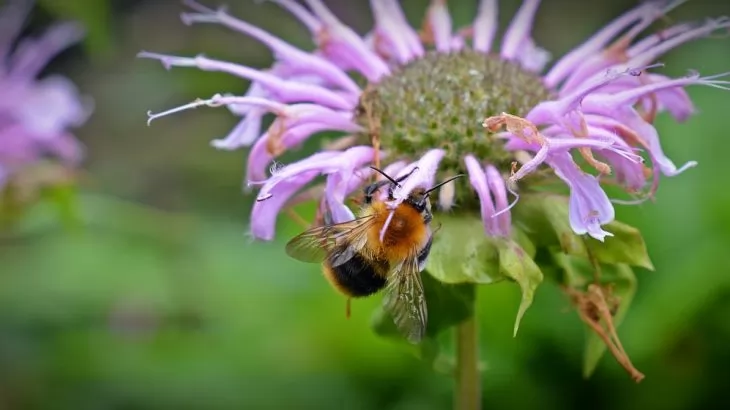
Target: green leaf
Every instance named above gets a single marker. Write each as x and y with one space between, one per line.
625 246
462 252
622 281
545 219
64 197
522 239
94 15
11 208
448 305
515 263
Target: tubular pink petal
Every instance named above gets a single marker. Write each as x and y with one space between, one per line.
249 128
675 100
618 145
12 18
497 187
410 36
301 13
485 26
321 162
628 173
654 39
632 119
531 165
341 42
339 183
593 63
51 105
595 43
243 134
394 168
629 97
303 61
359 179
259 159
589 205
31 56
334 120
218 100
532 57
355 183
265 212
18 148
458 42
519 29
392 28
561 145
646 56
553 111
422 177
651 54
66 147
388 44
478 180
254 90
438 22
262 155
283 90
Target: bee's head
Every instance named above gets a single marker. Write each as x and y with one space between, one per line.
390 181
419 197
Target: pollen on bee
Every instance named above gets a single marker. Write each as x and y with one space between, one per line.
405 232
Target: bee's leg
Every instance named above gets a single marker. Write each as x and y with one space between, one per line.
347 307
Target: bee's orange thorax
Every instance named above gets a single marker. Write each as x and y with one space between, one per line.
406 231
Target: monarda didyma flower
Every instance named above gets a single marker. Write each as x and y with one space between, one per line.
35 115
449 100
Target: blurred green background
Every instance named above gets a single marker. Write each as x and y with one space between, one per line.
161 300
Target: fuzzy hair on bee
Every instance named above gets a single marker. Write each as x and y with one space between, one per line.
382 249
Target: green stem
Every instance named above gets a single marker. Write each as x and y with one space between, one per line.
467 395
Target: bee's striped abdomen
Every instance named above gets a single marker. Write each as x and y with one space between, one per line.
358 277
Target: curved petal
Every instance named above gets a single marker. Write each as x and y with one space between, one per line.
478 180
589 205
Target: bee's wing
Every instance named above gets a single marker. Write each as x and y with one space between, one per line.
339 241
405 299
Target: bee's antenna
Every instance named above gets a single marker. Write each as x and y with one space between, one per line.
443 183
395 182
379 171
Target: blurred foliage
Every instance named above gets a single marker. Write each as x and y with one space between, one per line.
162 301
95 15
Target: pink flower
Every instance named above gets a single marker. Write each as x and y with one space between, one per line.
36 114
599 102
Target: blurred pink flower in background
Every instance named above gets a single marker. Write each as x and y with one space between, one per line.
36 114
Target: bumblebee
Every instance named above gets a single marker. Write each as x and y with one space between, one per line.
359 260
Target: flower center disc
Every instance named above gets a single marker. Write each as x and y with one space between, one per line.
440 101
